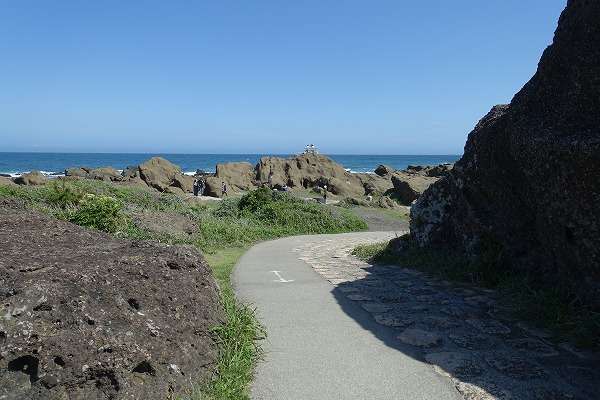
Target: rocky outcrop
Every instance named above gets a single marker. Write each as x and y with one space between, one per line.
6 181
88 316
307 171
159 173
529 180
384 170
32 178
408 186
239 176
106 174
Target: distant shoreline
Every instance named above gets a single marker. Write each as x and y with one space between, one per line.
54 164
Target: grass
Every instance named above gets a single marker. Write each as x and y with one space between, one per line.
237 339
225 230
558 308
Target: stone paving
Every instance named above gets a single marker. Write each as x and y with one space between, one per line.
461 331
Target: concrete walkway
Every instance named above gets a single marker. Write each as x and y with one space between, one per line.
322 346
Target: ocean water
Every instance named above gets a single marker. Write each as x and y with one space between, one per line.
55 163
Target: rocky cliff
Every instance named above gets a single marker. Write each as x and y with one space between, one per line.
529 180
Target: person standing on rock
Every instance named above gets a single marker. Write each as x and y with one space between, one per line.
224 189
195 186
271 179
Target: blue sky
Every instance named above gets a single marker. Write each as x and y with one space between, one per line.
354 77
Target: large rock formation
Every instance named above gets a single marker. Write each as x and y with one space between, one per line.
238 175
32 178
307 171
107 174
529 180
87 316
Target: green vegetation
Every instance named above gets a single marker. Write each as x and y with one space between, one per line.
225 230
237 338
557 308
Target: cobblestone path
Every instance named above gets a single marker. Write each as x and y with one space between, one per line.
461 331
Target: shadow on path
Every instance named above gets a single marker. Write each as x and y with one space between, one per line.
461 331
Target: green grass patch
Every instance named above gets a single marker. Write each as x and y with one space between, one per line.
225 230
559 308
237 338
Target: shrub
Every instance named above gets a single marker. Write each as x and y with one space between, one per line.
63 195
99 212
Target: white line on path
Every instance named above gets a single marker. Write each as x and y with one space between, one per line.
281 278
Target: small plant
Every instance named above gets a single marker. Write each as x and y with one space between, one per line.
100 212
63 195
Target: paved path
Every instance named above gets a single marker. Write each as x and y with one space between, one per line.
315 350
339 328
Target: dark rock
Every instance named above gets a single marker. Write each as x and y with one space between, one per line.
384 170
529 180
31 178
88 316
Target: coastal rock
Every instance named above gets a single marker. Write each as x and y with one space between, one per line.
106 174
6 181
31 178
408 186
159 173
238 175
375 184
88 316
384 170
308 171
213 187
529 179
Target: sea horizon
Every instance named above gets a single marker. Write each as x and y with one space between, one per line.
54 163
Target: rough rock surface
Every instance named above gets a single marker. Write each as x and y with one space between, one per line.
384 170
87 316
238 175
408 186
307 171
530 176
6 181
31 178
159 173
103 173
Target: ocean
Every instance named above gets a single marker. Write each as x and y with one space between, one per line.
55 163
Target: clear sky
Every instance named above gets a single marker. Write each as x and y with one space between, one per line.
266 76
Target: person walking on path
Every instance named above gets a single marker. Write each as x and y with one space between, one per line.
195 186
201 186
224 189
324 194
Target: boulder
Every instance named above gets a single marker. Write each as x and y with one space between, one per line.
384 170
183 182
309 171
106 174
213 187
240 176
31 178
375 184
408 187
158 173
80 172
6 181
88 316
529 180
